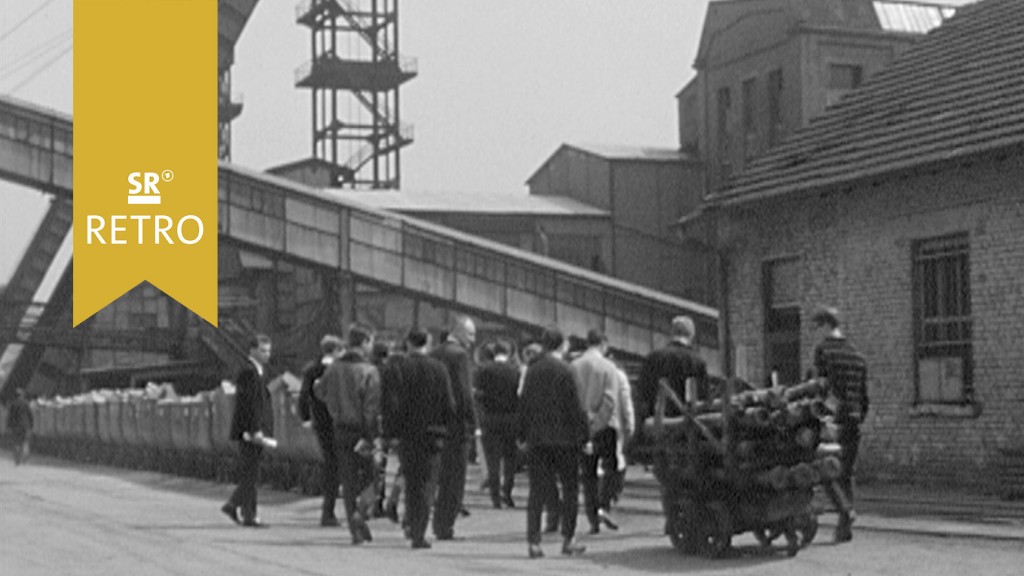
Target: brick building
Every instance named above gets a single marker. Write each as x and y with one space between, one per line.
903 205
767 67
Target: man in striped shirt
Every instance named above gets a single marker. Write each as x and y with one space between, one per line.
845 373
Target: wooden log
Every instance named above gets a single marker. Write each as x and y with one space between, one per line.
806 437
828 449
809 389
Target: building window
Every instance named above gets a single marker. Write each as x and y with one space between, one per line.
942 320
781 294
749 119
724 102
841 79
774 107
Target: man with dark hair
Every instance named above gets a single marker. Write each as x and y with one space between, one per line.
314 413
598 382
252 426
351 390
497 385
553 427
420 410
454 354
844 372
675 363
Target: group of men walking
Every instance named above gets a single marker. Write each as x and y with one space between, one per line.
571 417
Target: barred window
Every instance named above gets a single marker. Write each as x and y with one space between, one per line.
943 330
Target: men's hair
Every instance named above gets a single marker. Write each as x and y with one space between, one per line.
683 327
501 348
596 338
380 352
531 351
257 340
552 338
330 344
358 335
826 315
417 338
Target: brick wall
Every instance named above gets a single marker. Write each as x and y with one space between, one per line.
854 246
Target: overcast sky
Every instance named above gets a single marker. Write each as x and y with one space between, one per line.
501 85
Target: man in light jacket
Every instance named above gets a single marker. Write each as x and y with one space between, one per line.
597 380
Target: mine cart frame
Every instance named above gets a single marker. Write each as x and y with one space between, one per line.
706 506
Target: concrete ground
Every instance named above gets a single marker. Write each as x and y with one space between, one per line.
57 518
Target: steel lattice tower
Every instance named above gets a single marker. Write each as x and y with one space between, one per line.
354 78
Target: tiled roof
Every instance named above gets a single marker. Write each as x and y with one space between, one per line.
412 202
957 92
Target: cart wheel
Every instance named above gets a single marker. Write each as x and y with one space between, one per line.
718 530
765 536
792 542
808 529
683 527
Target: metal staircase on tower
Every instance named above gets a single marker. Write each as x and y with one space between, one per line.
354 77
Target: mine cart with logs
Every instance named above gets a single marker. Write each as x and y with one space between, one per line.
742 462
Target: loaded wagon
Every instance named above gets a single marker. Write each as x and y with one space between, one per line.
741 462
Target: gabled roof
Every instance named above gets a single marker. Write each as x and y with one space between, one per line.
433 202
641 153
957 92
621 153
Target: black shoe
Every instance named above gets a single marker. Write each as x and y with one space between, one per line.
595 529
607 520
449 537
421 545
535 551
231 512
843 533
571 548
329 522
496 502
391 512
508 501
254 523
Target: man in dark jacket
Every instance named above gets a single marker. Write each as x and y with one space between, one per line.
454 354
497 386
314 413
419 410
845 373
252 426
350 388
554 428
19 424
675 363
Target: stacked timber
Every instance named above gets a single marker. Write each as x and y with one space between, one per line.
774 438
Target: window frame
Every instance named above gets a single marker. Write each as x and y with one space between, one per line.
950 251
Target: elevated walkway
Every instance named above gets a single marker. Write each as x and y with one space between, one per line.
267 214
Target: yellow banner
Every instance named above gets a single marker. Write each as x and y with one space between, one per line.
145 178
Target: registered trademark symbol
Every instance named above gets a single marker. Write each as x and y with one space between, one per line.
167 175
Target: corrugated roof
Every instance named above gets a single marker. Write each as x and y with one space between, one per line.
957 92
412 202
